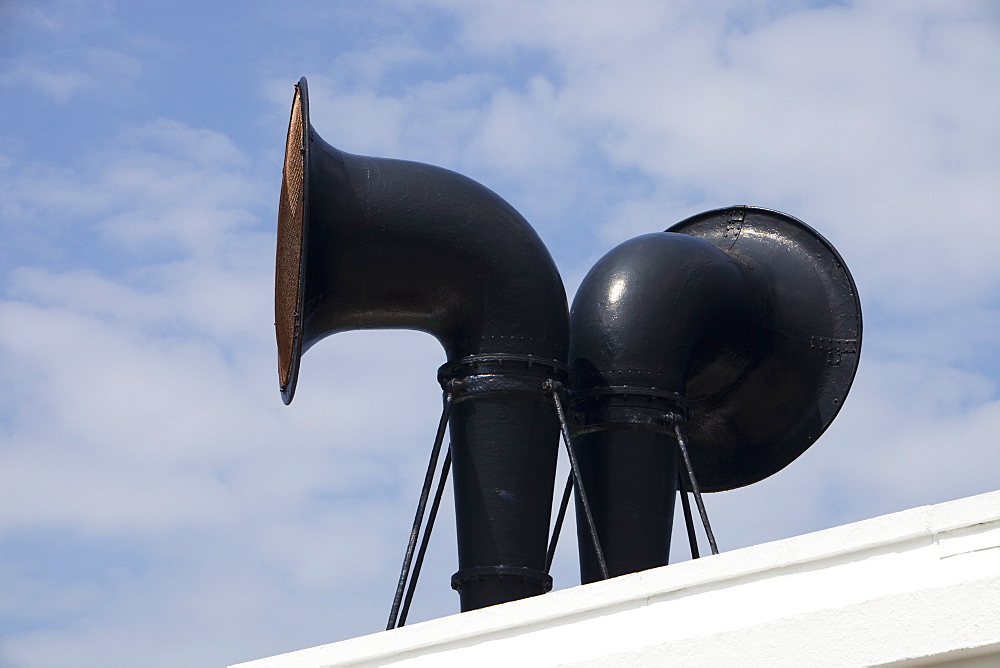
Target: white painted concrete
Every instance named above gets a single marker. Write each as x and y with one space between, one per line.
916 588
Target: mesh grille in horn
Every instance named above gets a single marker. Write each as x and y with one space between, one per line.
288 264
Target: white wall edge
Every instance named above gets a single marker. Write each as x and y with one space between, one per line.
895 571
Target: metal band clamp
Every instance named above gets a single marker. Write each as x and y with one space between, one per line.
499 573
599 408
501 373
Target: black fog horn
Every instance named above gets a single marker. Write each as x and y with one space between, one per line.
742 325
368 243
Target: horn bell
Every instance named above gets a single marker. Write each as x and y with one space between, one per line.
371 243
742 322
757 425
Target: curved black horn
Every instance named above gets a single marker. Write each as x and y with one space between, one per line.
376 243
745 320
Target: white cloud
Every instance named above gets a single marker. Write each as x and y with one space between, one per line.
146 415
92 70
858 118
140 426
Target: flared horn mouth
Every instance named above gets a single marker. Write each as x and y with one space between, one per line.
794 389
293 227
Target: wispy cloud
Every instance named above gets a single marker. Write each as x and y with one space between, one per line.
159 499
52 75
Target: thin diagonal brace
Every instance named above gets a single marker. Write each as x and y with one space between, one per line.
551 553
419 517
555 387
679 424
435 505
688 520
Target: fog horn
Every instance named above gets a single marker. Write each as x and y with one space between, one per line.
377 243
742 325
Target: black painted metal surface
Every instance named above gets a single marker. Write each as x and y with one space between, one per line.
398 244
744 319
747 430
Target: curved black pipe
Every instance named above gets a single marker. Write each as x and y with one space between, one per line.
661 310
397 244
744 321
653 314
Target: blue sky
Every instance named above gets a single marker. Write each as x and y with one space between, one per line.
158 503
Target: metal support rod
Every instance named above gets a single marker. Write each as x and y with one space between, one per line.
419 517
435 505
688 519
682 444
555 387
551 553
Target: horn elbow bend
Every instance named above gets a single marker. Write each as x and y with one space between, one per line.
372 243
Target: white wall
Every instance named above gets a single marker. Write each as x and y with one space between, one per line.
920 587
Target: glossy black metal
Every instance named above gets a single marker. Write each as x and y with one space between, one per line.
807 356
746 321
502 430
396 244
